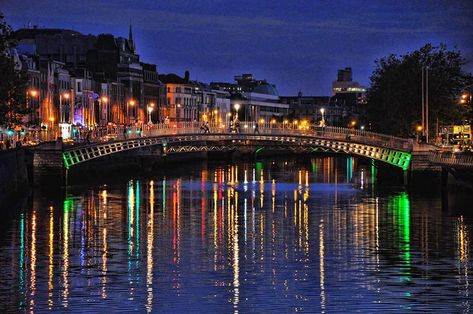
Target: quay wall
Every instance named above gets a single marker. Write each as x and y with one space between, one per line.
13 172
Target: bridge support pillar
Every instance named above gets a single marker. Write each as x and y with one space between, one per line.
48 165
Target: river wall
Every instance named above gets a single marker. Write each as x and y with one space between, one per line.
13 172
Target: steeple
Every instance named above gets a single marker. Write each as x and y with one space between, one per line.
131 42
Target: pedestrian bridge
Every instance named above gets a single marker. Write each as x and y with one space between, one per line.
189 137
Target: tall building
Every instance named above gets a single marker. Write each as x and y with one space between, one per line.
255 99
62 45
345 83
309 108
100 76
182 98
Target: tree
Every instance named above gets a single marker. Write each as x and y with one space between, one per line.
13 82
394 97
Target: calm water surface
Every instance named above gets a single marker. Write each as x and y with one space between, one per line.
318 235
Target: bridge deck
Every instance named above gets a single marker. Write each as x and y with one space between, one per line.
452 160
392 150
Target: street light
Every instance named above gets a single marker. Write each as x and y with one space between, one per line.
29 103
216 116
237 107
150 109
131 102
322 122
419 130
61 96
103 100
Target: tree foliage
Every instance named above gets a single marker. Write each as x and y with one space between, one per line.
13 83
395 95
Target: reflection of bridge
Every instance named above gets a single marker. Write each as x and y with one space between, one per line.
188 137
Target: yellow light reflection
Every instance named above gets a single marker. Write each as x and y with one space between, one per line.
51 258
149 250
463 241
33 262
65 258
322 265
236 260
104 263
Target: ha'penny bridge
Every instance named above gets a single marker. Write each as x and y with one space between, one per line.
181 138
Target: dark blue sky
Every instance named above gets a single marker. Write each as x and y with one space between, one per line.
297 44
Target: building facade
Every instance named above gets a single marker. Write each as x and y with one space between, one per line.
253 99
87 80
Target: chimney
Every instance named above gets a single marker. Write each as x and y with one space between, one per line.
186 76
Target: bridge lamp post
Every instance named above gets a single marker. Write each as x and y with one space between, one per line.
237 107
285 122
261 121
61 111
178 112
150 110
29 103
322 122
216 117
104 101
129 103
227 117
419 130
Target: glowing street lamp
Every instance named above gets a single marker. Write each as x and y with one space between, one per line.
215 112
237 107
61 96
33 93
419 130
103 100
464 98
322 122
150 110
227 116
131 102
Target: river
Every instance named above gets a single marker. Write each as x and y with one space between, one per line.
318 235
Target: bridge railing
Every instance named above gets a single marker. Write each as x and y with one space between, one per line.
254 128
452 159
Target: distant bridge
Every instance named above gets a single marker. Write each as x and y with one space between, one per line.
452 160
188 137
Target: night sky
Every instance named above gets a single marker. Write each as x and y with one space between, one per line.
297 44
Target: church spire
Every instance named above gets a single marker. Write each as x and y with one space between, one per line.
131 42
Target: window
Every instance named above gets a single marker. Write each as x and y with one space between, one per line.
79 87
